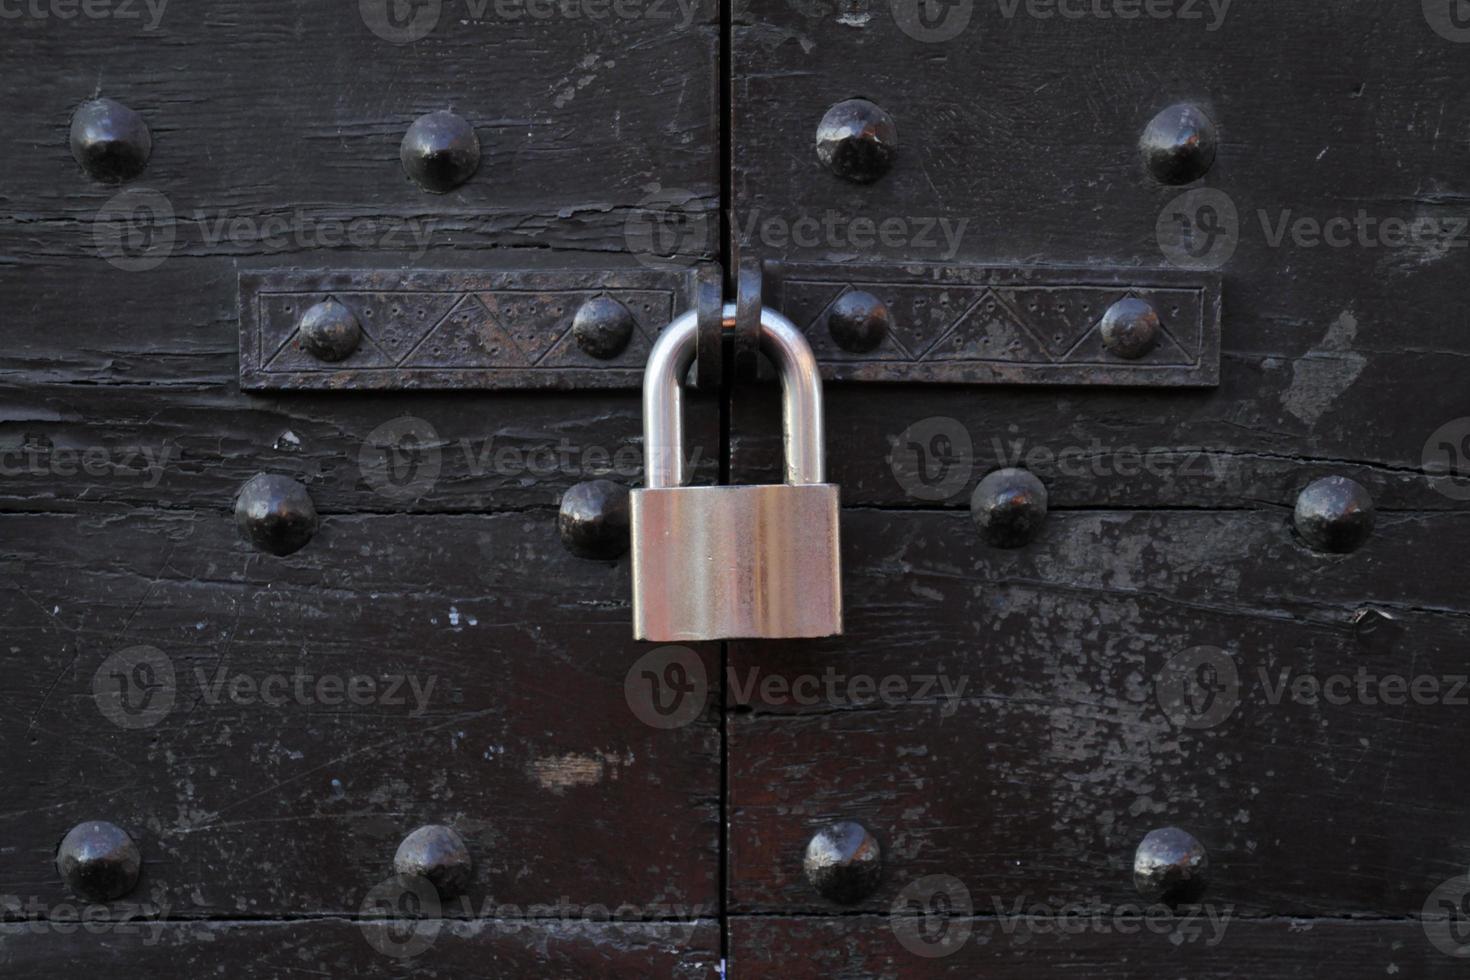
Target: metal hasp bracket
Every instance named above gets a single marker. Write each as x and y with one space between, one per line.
419 329
979 325
576 329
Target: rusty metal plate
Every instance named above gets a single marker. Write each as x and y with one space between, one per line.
981 325
442 329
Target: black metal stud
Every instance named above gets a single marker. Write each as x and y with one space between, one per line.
857 141
1170 867
603 327
1335 515
594 519
330 331
859 321
844 862
98 861
1130 328
275 513
1009 507
1179 145
440 151
438 853
109 140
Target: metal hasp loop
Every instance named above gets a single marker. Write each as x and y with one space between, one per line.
801 399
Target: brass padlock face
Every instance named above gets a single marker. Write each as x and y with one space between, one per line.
725 563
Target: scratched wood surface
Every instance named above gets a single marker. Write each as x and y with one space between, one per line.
333 948
496 705
497 661
1170 527
867 948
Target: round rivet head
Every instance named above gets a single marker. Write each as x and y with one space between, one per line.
330 331
440 151
275 513
439 854
594 519
1009 507
603 327
1130 328
844 862
1179 145
109 140
1335 515
98 861
859 321
1170 866
857 141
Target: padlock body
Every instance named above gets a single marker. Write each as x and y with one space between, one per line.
729 563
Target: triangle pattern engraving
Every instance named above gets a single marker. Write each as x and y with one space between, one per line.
923 314
991 331
819 335
397 322
535 321
568 353
469 337
1166 353
804 302
1060 317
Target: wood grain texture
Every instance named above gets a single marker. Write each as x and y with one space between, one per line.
998 717
1344 357
865 947
332 947
495 704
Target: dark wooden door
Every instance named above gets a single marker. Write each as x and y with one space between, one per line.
1010 815
1199 653
266 729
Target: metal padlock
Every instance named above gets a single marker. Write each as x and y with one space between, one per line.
726 563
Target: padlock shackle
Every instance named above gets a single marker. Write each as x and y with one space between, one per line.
802 422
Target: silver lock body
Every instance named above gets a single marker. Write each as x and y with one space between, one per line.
742 562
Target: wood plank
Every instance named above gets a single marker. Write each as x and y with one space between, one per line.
1057 756
191 447
269 950
251 794
866 947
